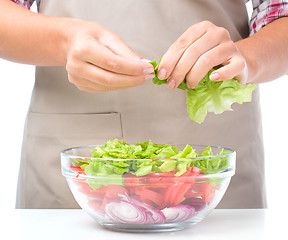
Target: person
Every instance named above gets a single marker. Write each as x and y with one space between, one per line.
91 71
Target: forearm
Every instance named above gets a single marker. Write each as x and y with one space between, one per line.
266 52
32 38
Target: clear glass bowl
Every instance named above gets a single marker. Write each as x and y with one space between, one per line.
154 202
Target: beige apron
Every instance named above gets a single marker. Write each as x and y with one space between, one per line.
61 116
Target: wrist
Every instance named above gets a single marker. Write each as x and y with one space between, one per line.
252 66
67 31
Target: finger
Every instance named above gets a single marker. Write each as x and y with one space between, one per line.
106 78
221 54
112 62
89 86
233 68
175 51
191 55
93 52
84 85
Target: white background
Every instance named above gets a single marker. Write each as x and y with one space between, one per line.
16 83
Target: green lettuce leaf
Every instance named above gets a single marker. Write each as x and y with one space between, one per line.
117 158
217 97
211 96
213 164
158 81
108 159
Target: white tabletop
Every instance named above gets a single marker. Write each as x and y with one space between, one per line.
256 224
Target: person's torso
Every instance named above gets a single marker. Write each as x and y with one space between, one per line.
151 112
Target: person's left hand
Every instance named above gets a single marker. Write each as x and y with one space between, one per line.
203 46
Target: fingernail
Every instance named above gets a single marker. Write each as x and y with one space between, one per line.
149 77
171 83
148 70
162 74
145 60
214 76
188 85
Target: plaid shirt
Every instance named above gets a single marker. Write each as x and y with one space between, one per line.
264 11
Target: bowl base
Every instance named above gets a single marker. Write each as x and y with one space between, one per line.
167 227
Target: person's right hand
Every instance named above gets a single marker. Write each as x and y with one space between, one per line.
98 60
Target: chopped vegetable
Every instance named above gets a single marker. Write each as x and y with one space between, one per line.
179 213
197 203
156 215
131 211
107 160
125 212
211 96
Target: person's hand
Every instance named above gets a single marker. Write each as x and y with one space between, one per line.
199 49
98 60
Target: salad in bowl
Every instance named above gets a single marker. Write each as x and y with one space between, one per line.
148 187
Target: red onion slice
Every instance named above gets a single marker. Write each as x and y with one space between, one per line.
125 212
178 213
132 211
156 215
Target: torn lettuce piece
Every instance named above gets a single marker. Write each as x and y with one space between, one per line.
216 97
211 96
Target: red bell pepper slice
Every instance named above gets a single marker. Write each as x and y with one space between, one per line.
79 170
148 194
208 192
183 187
113 191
